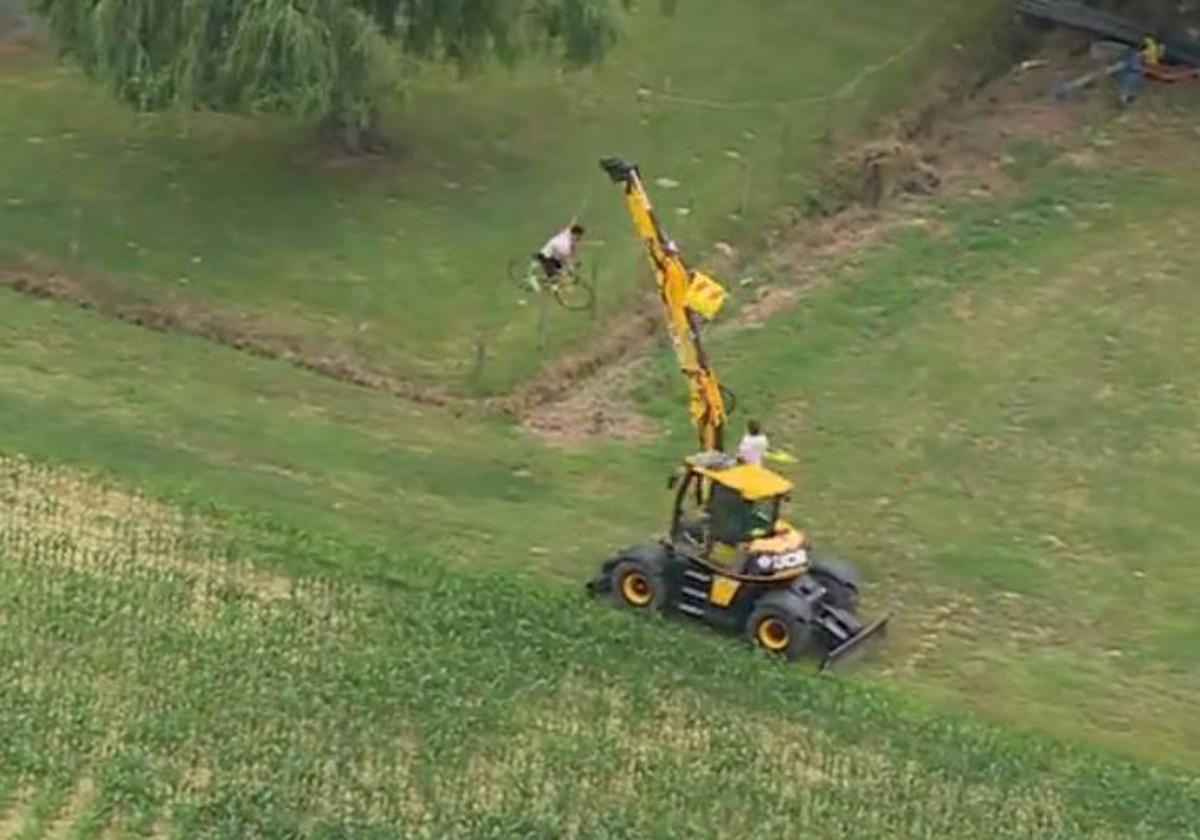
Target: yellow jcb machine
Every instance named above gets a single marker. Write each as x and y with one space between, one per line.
729 559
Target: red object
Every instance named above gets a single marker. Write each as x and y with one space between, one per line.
1164 73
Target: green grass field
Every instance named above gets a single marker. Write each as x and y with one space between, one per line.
1023 502
241 599
158 681
402 264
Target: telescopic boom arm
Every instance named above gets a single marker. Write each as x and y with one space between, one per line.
689 299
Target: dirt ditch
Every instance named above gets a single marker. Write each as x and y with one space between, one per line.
253 337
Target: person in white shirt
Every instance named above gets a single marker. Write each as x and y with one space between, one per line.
753 448
558 254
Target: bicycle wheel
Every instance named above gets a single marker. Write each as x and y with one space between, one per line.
574 293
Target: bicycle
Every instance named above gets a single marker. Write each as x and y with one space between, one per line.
570 288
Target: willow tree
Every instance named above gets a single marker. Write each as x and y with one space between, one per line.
468 32
331 60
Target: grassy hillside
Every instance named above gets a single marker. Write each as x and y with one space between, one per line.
997 409
336 612
401 263
159 681
206 424
988 424
992 411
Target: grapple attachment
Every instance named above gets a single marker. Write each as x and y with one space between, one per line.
618 170
846 643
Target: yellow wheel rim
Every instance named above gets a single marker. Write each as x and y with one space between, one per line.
636 589
773 634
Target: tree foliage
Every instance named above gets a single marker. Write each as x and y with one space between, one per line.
467 32
314 58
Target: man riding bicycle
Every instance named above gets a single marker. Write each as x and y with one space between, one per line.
558 254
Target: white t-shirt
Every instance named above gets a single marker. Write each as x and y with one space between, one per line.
561 247
753 449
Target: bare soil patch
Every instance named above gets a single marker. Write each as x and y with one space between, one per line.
15 811
596 407
58 517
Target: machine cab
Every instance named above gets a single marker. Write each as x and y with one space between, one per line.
730 514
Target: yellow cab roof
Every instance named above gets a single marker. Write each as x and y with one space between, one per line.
749 480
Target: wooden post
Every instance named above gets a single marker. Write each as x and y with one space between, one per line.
479 363
541 322
594 308
76 232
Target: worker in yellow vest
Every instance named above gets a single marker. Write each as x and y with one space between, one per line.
1153 52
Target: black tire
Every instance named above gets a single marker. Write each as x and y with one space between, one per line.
840 579
841 594
638 586
778 629
574 293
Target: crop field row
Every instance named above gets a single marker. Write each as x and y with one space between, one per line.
155 682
